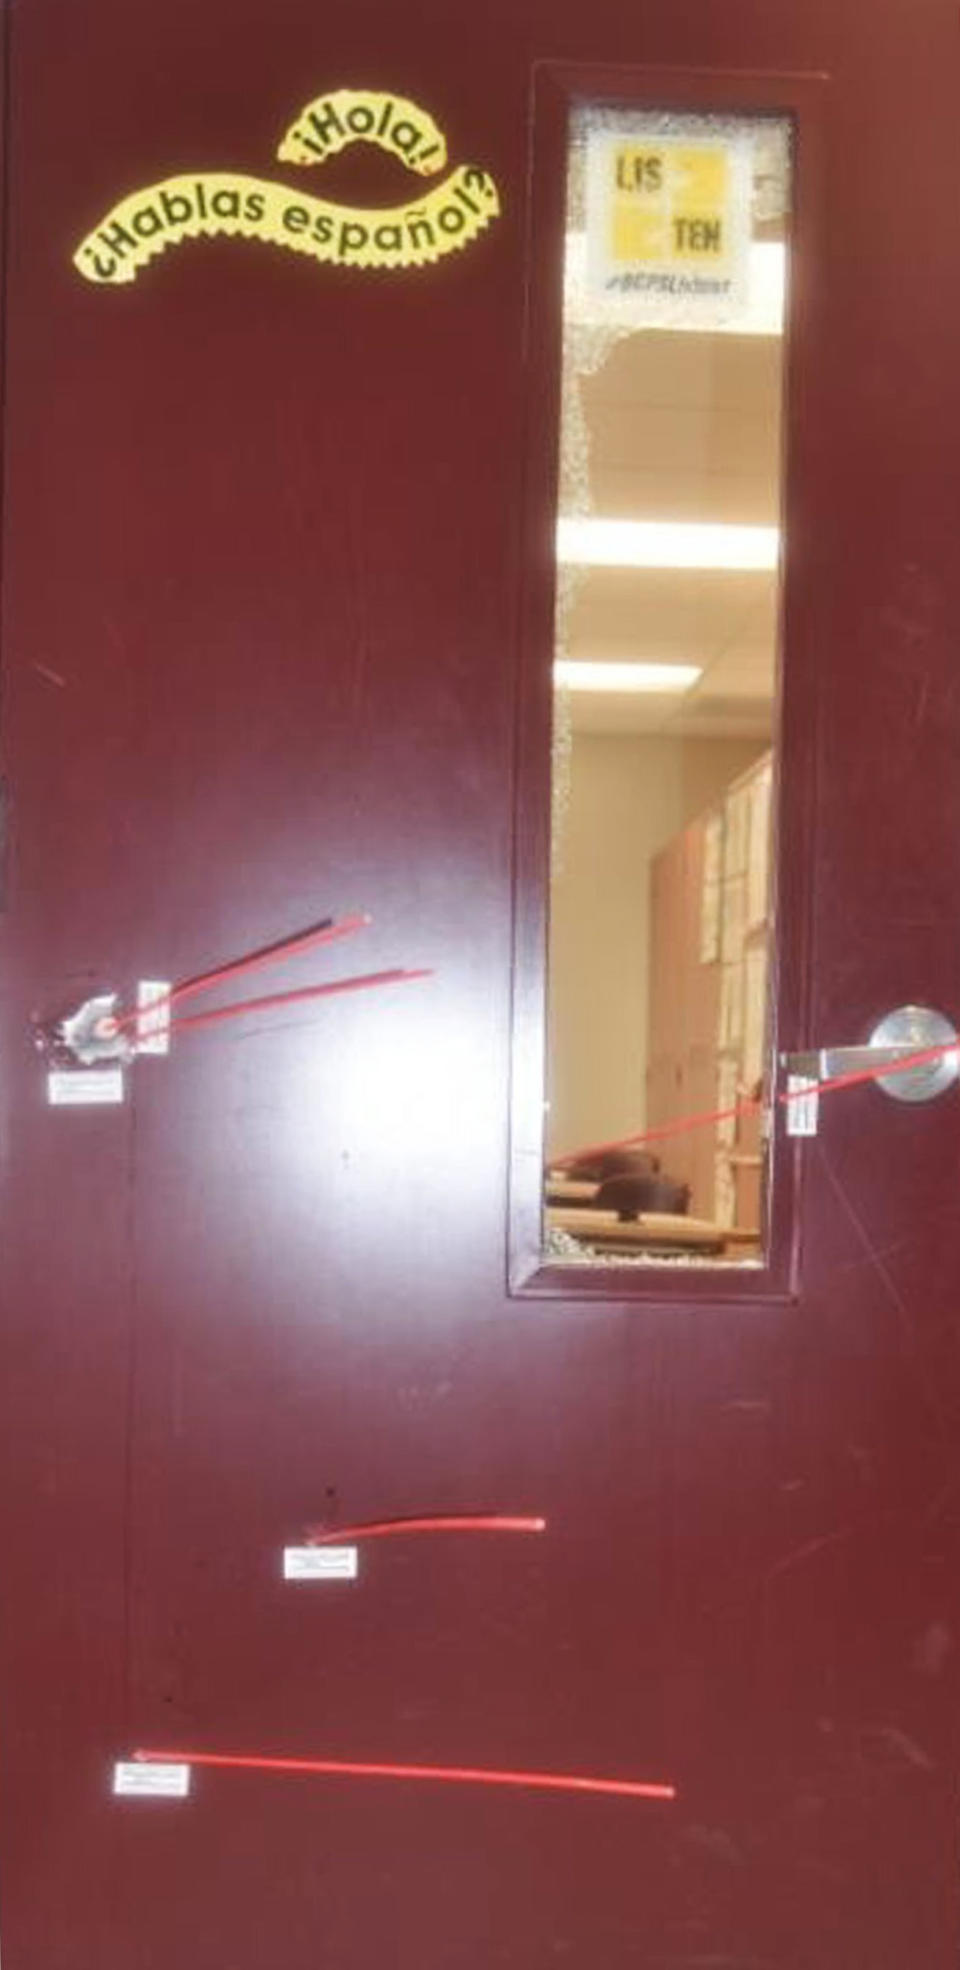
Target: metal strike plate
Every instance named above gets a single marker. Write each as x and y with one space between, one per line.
907 1031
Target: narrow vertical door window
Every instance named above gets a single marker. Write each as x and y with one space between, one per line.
669 548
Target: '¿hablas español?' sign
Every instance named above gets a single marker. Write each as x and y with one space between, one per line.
444 219
668 215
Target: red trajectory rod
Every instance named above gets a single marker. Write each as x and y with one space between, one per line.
622 1788
785 1098
193 1020
322 1535
327 932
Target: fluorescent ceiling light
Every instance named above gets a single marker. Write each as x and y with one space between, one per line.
592 543
624 676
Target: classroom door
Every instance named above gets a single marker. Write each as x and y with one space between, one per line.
274 495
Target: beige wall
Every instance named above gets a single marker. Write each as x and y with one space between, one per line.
628 796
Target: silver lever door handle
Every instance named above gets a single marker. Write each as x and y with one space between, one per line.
908 1030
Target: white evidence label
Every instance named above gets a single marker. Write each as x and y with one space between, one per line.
142 1780
320 1563
153 1023
85 1087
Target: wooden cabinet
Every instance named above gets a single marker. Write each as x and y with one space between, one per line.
709 936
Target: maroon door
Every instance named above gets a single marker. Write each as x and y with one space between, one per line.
266 540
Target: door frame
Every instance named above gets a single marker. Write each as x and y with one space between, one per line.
557 88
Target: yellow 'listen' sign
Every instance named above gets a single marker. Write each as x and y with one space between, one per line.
668 216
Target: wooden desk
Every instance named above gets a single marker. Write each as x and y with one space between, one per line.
569 1190
653 1231
646 1232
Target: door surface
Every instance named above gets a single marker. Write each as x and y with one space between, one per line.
268 526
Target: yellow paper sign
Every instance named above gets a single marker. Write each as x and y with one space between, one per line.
202 204
352 116
668 215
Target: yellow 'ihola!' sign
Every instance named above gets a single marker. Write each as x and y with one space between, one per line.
203 204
